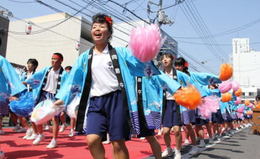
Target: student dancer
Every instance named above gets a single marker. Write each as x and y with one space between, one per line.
150 95
32 65
47 83
198 80
105 76
171 111
10 85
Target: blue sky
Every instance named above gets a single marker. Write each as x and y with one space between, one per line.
220 16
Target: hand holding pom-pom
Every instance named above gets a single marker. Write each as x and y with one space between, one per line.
239 92
226 72
188 97
247 102
225 86
145 42
226 97
235 85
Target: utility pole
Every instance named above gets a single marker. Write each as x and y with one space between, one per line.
158 15
4 25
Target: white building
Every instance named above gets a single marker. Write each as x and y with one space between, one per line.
246 67
60 33
51 33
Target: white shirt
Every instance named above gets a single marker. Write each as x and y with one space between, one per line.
28 75
52 81
104 78
168 95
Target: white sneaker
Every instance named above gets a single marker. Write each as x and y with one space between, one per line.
217 139
202 143
159 132
52 144
211 141
177 154
186 142
38 139
194 150
106 142
21 130
28 133
32 137
62 128
47 127
167 152
142 138
71 134
2 132
17 127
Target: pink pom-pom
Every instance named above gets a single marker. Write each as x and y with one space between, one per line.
241 109
235 86
209 105
225 86
145 42
238 101
250 105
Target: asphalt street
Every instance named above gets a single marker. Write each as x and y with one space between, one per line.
242 145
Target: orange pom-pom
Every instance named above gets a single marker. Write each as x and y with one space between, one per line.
188 97
247 102
226 72
239 92
226 97
249 112
257 105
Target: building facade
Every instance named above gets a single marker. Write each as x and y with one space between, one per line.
59 32
65 34
246 67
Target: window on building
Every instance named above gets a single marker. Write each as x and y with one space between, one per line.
251 93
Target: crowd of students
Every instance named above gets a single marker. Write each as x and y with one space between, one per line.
120 96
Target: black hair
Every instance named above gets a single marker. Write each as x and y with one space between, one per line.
180 61
58 54
34 62
68 68
257 98
103 18
169 55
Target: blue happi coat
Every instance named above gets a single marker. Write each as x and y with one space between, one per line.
129 66
10 84
36 81
200 80
153 97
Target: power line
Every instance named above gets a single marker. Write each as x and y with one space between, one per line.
45 4
173 5
218 44
129 11
227 32
16 1
194 20
53 26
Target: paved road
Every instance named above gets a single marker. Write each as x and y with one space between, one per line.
243 145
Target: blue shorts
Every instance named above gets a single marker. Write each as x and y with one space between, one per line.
227 118
144 132
172 115
108 114
188 117
4 108
217 117
199 120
